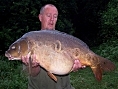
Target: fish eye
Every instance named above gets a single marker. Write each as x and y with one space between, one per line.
13 47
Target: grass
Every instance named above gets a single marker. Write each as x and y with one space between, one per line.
84 79
11 76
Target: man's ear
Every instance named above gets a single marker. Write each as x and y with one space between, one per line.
40 17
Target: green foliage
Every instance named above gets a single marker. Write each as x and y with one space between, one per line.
19 17
11 76
109 21
108 49
84 79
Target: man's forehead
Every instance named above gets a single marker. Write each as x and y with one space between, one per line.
50 8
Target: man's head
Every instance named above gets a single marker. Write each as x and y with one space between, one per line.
48 17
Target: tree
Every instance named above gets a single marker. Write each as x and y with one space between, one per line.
109 22
20 16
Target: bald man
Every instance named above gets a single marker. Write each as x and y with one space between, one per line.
39 78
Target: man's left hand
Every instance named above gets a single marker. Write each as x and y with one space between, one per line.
77 65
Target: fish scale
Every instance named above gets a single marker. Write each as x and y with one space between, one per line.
56 52
55 35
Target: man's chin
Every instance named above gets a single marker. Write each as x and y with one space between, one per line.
50 28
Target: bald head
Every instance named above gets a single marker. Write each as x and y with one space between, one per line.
48 17
47 6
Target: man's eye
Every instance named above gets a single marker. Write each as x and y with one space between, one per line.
55 16
48 15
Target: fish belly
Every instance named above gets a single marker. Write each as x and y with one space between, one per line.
55 61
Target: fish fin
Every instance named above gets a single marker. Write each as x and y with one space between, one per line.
52 76
106 64
97 72
28 69
30 65
33 70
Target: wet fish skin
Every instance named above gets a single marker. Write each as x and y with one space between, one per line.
56 52
51 53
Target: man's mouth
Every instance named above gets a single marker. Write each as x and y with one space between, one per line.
51 24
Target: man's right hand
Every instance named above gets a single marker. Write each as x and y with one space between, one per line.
26 60
31 63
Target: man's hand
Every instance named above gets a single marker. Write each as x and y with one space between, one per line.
32 65
77 65
27 59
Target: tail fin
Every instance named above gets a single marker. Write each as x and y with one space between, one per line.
103 65
106 64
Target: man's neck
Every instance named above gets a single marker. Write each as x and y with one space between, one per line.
47 29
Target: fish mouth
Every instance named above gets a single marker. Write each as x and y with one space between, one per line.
10 57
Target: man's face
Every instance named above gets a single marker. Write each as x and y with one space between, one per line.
48 18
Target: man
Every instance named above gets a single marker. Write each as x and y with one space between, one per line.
39 78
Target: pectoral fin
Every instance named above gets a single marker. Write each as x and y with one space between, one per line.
52 76
28 69
30 65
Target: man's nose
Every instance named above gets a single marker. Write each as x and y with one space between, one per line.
52 18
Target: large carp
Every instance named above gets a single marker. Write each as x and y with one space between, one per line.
56 52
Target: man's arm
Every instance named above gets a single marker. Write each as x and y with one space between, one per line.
33 67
